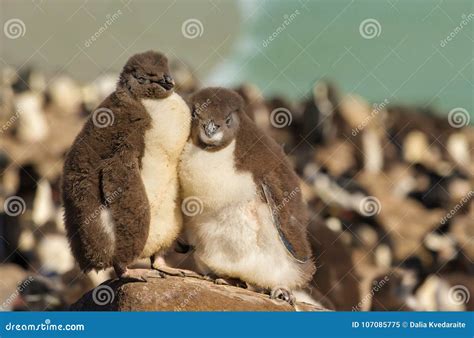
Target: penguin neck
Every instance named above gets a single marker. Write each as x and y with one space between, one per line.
248 132
170 123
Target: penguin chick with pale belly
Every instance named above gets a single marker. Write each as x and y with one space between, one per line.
120 182
252 221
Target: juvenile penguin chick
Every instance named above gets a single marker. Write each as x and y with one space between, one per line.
252 224
120 182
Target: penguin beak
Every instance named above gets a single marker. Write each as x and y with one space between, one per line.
167 82
210 128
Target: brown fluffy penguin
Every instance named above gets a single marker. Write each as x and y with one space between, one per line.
251 221
120 183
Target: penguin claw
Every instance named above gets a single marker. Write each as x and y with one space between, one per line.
230 282
166 270
189 273
283 294
134 275
154 274
128 279
221 281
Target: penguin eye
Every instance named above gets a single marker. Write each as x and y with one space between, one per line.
228 120
141 79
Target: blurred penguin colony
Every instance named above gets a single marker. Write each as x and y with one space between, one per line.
390 189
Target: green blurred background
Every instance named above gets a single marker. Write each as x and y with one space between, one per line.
406 61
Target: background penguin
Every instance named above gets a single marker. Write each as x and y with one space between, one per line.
252 224
120 185
336 280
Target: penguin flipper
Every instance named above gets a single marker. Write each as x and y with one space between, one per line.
90 244
125 197
280 220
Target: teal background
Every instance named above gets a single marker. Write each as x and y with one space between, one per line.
405 63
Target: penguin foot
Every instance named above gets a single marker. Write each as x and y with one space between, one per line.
139 275
166 270
221 281
230 282
158 263
283 294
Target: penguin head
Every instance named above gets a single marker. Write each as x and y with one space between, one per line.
147 76
216 115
